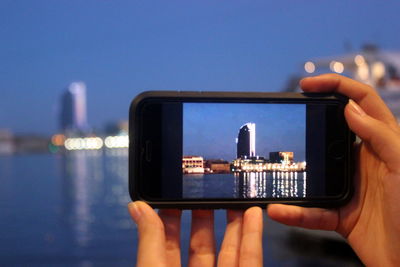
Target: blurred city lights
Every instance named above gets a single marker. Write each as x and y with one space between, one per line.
363 72
309 67
58 139
116 141
95 143
336 66
378 70
86 143
359 60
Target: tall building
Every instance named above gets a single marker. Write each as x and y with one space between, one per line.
246 141
73 109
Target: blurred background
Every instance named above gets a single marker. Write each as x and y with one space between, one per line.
69 69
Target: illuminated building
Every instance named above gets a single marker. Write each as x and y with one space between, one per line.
73 109
192 164
260 164
281 157
246 141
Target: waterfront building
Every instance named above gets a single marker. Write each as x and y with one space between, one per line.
260 164
28 143
217 166
246 141
250 164
281 157
73 119
192 164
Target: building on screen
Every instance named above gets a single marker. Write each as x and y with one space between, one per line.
217 166
246 141
192 164
281 157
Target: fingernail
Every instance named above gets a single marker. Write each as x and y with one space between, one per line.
135 211
356 108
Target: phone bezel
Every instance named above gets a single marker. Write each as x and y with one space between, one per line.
139 180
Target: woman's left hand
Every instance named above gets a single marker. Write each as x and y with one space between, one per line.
159 237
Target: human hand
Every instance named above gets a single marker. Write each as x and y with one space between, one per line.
159 237
371 220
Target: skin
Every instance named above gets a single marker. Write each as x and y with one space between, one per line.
371 221
159 237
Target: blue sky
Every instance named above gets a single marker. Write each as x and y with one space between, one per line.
210 130
120 48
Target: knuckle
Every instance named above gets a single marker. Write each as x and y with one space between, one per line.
249 255
201 249
171 244
229 250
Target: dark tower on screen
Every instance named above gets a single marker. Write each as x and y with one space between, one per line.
246 141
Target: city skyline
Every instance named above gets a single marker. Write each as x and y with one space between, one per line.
210 130
122 48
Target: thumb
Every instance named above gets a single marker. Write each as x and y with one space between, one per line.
384 141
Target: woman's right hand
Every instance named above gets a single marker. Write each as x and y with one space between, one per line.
371 220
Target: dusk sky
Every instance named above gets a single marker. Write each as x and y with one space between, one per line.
121 48
210 130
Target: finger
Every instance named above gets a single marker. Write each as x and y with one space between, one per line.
384 141
230 248
151 235
172 222
202 243
363 94
251 245
311 218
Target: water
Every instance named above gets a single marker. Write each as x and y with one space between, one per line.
245 185
65 209
70 210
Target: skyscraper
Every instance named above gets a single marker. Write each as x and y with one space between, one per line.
73 109
246 141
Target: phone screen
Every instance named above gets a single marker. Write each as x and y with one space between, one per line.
243 150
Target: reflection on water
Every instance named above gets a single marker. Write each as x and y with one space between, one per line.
94 182
245 185
70 210
66 208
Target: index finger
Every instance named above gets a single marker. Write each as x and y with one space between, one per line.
202 243
251 253
363 94
172 225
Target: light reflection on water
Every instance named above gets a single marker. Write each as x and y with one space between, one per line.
66 208
94 180
245 185
70 210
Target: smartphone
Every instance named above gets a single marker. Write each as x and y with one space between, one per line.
214 150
